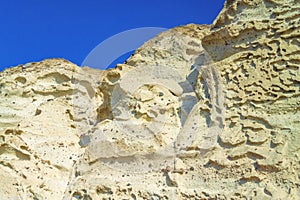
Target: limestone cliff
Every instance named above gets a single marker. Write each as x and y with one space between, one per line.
198 112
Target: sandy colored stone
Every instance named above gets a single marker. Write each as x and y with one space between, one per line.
198 112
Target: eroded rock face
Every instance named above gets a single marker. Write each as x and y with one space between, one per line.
40 126
256 48
198 112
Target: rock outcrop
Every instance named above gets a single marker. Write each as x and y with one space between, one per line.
198 112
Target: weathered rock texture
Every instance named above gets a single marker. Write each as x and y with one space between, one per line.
199 112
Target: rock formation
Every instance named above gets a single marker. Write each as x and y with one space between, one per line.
198 112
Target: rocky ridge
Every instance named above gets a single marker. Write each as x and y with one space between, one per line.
198 112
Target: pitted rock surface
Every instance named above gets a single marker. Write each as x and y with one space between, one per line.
198 112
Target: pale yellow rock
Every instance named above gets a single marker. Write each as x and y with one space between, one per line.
198 112
39 134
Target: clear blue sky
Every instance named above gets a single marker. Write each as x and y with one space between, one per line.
33 30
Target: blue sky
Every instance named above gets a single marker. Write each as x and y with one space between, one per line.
33 30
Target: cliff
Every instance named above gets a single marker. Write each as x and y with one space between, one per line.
198 112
